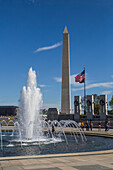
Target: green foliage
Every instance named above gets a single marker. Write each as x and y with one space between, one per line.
96 108
96 99
111 103
7 119
110 112
96 103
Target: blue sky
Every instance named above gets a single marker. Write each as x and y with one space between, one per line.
31 33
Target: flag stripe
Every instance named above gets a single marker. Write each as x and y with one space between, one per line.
80 77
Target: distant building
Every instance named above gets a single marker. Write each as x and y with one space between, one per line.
52 114
9 110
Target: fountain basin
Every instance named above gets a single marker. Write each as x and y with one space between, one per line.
94 143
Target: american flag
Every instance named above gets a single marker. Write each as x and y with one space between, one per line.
80 77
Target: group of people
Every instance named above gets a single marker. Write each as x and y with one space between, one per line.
107 125
89 125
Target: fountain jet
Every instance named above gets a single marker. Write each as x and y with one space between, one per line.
29 109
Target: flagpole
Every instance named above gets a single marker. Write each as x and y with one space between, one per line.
84 94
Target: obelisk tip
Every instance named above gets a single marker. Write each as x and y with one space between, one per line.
65 30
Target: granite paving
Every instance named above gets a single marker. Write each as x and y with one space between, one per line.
90 161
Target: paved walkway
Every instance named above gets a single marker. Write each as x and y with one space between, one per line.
101 132
81 161
99 160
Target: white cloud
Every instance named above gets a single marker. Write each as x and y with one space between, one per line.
48 47
8 103
72 79
112 76
107 92
58 79
42 85
78 89
107 85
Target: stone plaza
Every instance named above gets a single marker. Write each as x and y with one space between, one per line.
102 160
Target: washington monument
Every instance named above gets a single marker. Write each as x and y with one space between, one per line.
65 103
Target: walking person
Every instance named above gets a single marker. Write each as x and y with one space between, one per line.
99 126
106 125
87 125
53 129
82 125
91 125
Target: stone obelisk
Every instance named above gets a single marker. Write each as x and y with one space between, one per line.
65 103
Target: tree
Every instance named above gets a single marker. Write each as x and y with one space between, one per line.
96 103
111 103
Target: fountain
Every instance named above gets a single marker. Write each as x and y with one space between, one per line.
31 129
31 135
29 109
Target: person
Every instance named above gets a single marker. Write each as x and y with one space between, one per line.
91 125
99 126
0 122
106 125
82 125
87 125
79 123
53 129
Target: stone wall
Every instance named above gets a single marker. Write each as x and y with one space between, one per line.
90 108
52 114
103 107
77 107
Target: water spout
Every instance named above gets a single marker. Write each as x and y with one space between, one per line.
29 108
